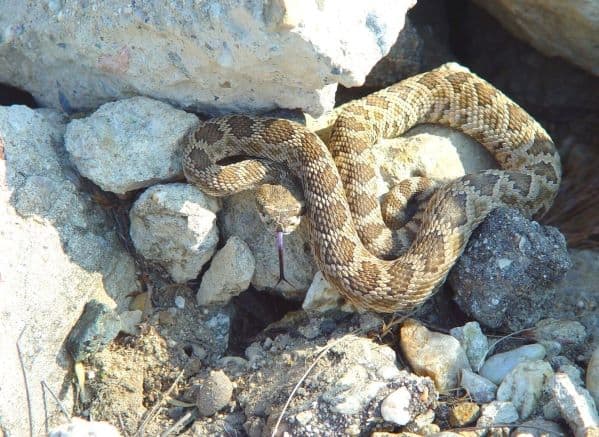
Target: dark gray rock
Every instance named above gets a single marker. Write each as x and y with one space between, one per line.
504 276
97 327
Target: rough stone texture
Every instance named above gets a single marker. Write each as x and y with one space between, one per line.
233 56
395 408
592 379
556 28
499 365
97 327
129 144
229 273
569 334
463 414
524 385
497 412
175 226
478 387
62 252
502 279
421 348
214 393
575 405
240 218
576 294
474 342
345 387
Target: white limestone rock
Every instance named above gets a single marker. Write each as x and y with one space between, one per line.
229 274
129 144
576 405
57 251
322 296
208 56
175 226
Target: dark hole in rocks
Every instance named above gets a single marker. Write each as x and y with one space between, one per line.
253 311
14 96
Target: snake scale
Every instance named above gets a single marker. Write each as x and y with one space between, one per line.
350 240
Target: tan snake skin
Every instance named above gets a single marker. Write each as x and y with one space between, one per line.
348 235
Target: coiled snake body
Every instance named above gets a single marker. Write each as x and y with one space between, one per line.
349 237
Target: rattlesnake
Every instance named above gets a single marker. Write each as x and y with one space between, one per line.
349 238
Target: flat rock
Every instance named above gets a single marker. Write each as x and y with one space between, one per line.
438 356
235 56
129 144
175 226
503 278
63 252
499 365
229 273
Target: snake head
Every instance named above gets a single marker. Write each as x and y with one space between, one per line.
280 207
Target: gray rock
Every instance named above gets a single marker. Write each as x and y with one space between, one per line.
421 348
524 386
229 274
175 226
59 250
569 334
130 321
96 328
592 379
474 342
234 56
499 365
575 405
214 393
502 279
497 412
480 389
129 144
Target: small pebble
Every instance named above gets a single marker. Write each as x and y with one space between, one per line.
480 389
421 348
214 393
180 302
499 365
473 341
395 408
463 414
497 412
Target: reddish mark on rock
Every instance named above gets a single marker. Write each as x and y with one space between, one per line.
115 64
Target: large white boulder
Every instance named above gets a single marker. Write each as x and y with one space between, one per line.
210 56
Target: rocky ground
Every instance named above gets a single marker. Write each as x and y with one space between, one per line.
135 304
